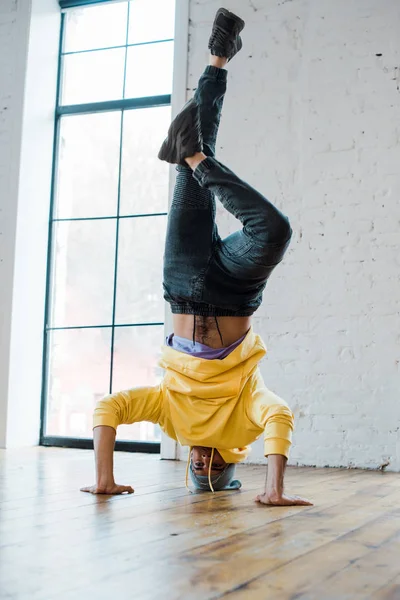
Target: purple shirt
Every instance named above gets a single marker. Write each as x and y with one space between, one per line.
199 350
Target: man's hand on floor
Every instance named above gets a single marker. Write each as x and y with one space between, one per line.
112 489
275 499
274 494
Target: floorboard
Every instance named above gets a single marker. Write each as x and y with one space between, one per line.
56 542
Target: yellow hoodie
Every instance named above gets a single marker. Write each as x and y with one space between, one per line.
221 404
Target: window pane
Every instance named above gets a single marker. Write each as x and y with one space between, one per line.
79 367
139 281
96 27
83 275
88 165
151 20
149 70
93 76
136 352
144 178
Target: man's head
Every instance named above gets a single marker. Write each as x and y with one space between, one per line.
207 464
201 460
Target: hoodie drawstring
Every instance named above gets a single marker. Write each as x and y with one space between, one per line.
209 470
187 471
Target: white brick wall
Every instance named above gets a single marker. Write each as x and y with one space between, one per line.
312 119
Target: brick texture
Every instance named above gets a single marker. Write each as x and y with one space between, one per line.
312 118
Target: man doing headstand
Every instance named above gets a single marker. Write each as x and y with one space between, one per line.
212 398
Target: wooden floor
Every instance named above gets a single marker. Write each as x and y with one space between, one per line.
163 543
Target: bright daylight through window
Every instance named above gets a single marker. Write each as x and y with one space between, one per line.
105 308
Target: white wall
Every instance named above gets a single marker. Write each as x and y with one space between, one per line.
29 33
312 119
14 22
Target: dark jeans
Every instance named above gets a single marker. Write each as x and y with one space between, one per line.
204 274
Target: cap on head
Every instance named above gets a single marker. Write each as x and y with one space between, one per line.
222 481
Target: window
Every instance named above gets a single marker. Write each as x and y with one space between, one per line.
105 309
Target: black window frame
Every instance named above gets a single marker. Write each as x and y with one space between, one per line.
122 105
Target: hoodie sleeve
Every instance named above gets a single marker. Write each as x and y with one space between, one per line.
272 414
130 406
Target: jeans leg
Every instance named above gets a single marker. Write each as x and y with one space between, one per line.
191 231
190 239
266 231
210 97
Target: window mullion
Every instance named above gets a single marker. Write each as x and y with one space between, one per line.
109 105
118 214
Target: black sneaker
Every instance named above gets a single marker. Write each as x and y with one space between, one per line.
225 39
184 136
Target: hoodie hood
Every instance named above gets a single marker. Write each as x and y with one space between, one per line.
203 396
212 380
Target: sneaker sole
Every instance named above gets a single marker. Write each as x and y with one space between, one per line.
230 15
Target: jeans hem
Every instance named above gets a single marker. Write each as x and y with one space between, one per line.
216 73
203 168
208 310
